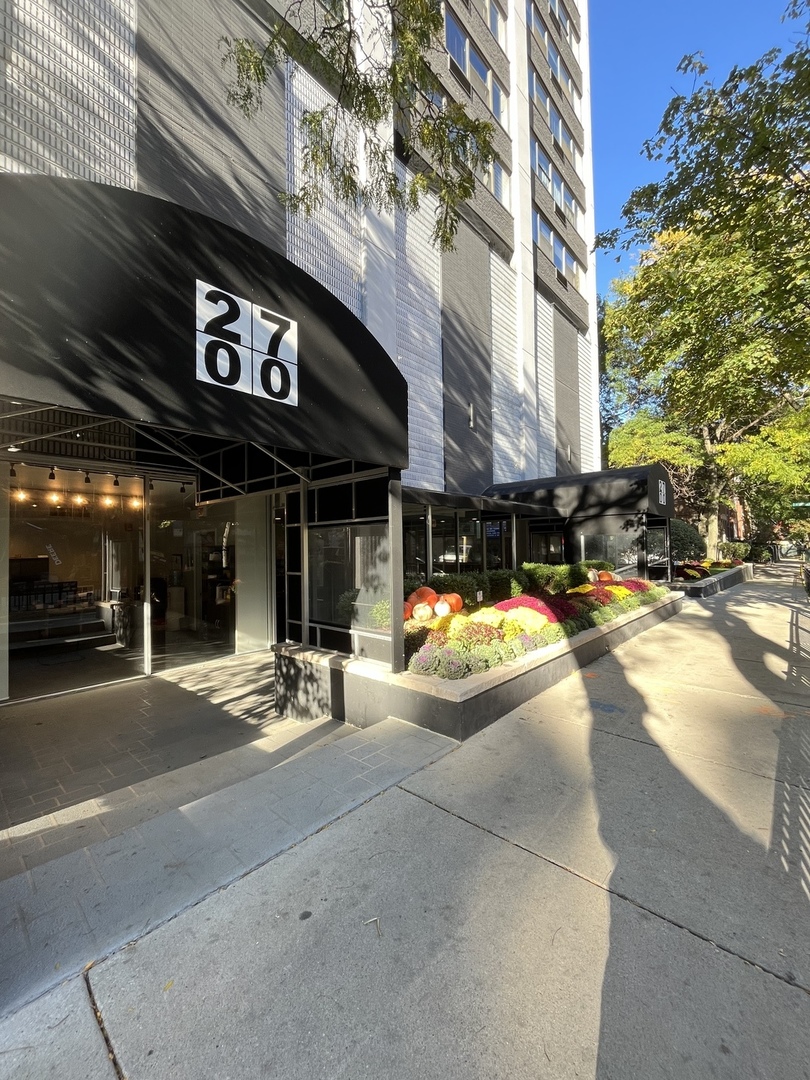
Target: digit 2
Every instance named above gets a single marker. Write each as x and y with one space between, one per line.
216 326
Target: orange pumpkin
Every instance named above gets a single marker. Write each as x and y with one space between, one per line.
421 596
605 575
407 610
454 600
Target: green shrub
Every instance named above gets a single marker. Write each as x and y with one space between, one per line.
598 564
760 553
686 541
734 549
345 607
466 585
506 584
411 583
555 578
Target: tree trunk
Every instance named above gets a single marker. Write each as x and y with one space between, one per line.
711 531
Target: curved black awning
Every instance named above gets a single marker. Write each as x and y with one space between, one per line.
120 304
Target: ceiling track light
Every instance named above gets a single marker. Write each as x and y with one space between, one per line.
12 471
87 477
183 488
52 474
116 482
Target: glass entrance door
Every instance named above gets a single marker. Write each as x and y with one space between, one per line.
75 579
209 588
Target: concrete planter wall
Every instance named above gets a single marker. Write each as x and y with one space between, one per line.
714 584
311 683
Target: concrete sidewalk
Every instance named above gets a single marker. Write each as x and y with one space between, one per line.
612 881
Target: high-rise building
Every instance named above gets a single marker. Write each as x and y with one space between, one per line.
495 340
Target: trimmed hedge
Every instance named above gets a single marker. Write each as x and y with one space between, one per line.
555 578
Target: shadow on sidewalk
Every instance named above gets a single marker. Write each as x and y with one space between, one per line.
688 849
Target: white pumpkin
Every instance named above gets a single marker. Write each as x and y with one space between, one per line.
441 607
422 613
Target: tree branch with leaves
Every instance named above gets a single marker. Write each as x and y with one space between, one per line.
377 60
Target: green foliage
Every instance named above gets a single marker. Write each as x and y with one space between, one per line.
736 157
555 578
410 584
377 65
466 585
346 608
716 318
598 564
760 553
646 439
504 584
734 549
686 541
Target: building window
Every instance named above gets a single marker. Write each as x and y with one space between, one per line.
541 164
536 26
552 180
456 41
542 233
554 248
564 138
474 68
563 76
538 94
497 180
494 18
558 9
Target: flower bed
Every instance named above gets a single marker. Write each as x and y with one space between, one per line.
460 644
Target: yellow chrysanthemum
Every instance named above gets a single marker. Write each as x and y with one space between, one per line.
619 591
455 624
529 620
488 615
581 589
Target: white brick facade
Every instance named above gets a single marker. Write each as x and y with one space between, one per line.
419 344
327 244
69 101
546 409
508 429
588 408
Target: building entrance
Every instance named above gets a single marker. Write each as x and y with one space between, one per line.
115 576
75 579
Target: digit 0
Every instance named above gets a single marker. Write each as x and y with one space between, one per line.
275 378
213 351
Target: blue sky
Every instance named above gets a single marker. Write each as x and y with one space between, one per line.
635 48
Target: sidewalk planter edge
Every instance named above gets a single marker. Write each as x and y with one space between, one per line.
714 584
312 683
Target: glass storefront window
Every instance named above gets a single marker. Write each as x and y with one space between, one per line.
443 534
620 550
546 548
499 544
350 583
414 536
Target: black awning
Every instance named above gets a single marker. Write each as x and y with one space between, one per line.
452 500
644 489
127 306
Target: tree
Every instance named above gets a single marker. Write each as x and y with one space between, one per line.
375 56
646 438
738 159
689 321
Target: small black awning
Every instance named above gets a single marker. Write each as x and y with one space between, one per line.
644 489
126 306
